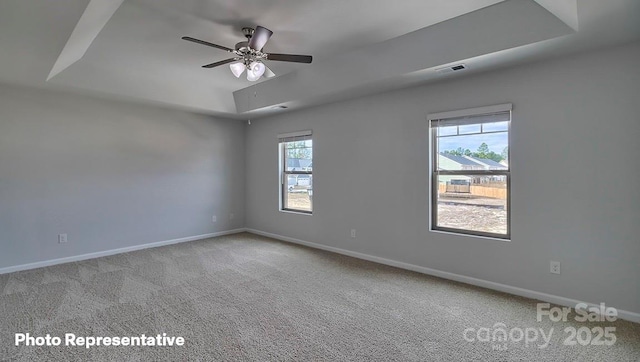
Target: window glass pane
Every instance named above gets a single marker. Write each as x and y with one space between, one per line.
447 131
470 128
473 152
299 192
473 202
496 126
471 172
299 155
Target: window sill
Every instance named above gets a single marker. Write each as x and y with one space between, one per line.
508 240
296 212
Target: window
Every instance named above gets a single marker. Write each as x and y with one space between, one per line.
296 172
470 184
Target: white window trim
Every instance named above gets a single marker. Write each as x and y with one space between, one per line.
477 111
289 137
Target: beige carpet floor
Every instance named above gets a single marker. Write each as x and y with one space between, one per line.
248 298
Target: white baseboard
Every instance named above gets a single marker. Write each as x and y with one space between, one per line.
568 302
99 254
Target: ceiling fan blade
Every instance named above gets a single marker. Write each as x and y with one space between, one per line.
290 58
207 43
268 73
222 62
259 38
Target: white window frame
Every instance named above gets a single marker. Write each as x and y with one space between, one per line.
473 114
283 138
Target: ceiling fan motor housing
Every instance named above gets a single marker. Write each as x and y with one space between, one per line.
243 45
247 55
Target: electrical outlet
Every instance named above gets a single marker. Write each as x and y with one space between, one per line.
62 238
353 233
554 267
214 219
231 216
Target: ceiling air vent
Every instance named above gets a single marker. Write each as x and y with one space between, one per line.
452 68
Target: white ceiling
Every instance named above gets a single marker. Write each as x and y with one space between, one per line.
138 54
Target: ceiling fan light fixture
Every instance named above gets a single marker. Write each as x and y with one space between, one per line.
237 68
248 55
255 71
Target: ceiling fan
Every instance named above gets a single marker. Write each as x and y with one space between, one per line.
249 55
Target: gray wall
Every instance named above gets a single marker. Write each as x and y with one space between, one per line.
575 170
110 174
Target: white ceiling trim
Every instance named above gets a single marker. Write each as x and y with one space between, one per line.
94 18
